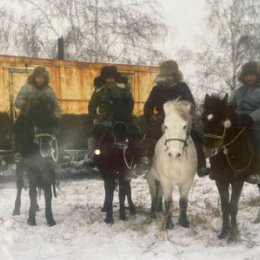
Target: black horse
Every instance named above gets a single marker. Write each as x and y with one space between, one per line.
232 157
115 158
38 148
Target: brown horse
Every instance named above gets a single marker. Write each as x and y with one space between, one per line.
232 157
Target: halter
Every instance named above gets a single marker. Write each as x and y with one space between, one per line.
224 147
53 139
120 146
184 141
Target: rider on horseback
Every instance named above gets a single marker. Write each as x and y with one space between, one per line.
111 101
169 86
246 101
37 85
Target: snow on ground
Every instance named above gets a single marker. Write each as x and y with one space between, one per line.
80 232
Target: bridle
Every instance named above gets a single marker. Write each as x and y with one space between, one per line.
54 151
121 145
225 146
184 141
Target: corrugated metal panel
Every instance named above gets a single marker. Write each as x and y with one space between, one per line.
71 81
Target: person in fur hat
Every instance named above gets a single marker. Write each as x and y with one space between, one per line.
246 101
169 85
37 85
111 101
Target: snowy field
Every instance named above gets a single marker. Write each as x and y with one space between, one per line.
81 234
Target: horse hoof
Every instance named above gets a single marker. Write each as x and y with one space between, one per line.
16 212
233 235
51 222
232 238
109 221
224 234
133 210
31 222
168 225
122 217
103 209
184 223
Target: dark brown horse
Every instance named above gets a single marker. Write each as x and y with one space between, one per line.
115 157
231 160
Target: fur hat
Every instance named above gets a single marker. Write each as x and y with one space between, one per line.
39 71
170 67
250 67
109 71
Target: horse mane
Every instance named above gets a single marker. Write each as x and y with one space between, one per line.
182 107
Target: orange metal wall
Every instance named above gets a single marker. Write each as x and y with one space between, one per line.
71 81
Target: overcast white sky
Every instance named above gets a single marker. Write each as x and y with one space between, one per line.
184 18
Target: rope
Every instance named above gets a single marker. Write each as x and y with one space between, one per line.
53 151
129 166
225 150
239 170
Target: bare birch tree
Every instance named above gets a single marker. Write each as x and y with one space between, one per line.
236 26
97 30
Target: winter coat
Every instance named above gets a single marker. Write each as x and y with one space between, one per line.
111 104
246 100
29 90
164 92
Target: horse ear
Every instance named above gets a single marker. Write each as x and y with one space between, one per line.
206 98
225 99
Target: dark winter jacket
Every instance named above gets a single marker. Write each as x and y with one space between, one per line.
111 104
164 92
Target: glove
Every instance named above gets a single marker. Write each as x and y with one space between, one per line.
245 120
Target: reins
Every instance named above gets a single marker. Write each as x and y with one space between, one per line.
38 140
224 147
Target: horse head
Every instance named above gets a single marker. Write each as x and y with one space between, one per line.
217 118
42 122
176 126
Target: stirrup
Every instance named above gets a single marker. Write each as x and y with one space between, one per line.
253 179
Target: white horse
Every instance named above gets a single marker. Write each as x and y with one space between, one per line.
174 162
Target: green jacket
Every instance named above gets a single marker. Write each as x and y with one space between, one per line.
111 104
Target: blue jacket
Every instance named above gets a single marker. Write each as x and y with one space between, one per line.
246 100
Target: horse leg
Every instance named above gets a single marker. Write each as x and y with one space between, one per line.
167 192
122 195
183 204
129 197
224 198
104 208
153 187
235 195
48 205
19 185
33 199
109 191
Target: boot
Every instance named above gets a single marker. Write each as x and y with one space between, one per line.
202 169
145 162
255 177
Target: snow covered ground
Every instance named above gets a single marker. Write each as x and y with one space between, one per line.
80 232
